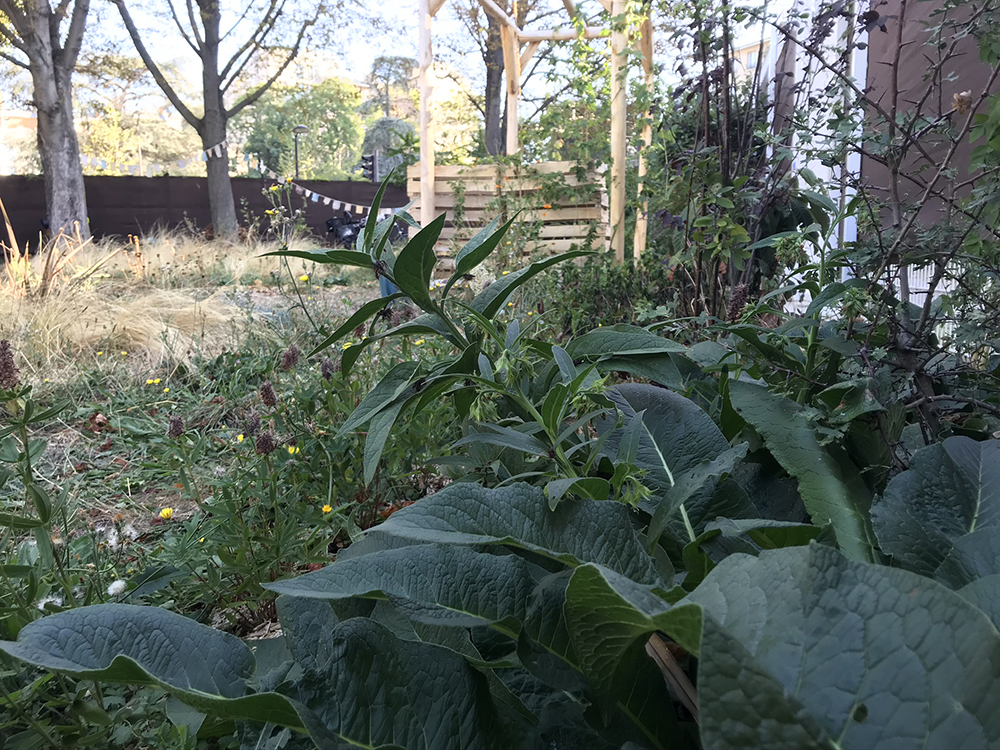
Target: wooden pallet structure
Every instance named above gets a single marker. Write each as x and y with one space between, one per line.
560 208
519 44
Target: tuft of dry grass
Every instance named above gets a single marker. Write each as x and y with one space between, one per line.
153 326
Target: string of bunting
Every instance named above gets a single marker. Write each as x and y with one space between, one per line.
315 197
216 152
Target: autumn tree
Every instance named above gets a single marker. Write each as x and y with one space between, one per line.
46 41
277 28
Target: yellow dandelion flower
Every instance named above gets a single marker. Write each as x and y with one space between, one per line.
418 342
304 277
166 513
239 438
510 304
201 541
505 273
530 313
100 354
292 450
327 508
156 382
124 354
347 345
167 390
274 188
149 381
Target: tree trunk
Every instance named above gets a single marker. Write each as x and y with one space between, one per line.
495 89
58 149
222 206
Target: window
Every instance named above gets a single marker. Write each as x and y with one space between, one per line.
752 58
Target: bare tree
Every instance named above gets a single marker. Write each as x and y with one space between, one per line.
38 43
201 29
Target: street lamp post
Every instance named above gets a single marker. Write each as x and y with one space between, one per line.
297 131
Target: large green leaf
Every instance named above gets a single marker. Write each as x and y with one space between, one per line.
415 264
744 706
973 556
872 656
576 532
583 645
985 594
621 340
477 250
384 393
677 432
830 486
374 689
434 583
951 489
205 668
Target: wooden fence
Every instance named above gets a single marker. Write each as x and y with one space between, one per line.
562 206
137 205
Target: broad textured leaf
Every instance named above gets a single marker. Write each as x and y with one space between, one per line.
677 432
743 706
379 690
205 668
830 486
984 593
577 532
438 584
489 301
621 340
951 489
877 657
974 556
692 483
415 264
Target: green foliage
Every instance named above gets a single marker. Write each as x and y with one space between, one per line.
331 148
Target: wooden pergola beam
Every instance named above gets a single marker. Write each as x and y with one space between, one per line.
498 13
561 35
619 113
426 53
645 43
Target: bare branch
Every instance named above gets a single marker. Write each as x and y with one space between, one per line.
158 76
253 42
259 92
194 26
181 29
74 36
12 37
14 61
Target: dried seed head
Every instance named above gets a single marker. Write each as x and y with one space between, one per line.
10 378
253 424
176 428
290 358
266 443
737 302
327 368
267 394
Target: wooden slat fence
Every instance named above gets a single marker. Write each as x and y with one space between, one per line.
562 206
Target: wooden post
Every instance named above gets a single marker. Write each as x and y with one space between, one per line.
641 219
619 110
512 67
426 90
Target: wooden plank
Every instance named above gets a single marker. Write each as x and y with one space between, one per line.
426 91
619 112
642 215
561 35
512 70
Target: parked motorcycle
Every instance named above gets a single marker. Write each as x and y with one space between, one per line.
347 227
